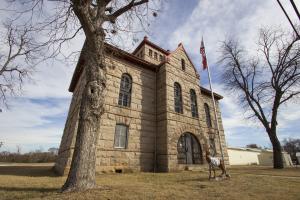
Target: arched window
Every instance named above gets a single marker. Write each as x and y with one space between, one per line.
183 64
177 98
207 114
125 90
194 107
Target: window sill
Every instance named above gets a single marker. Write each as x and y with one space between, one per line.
119 148
126 107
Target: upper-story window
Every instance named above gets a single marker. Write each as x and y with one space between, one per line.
155 56
207 114
161 58
121 136
125 90
194 107
150 53
183 64
177 98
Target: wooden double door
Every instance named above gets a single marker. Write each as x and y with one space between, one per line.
189 149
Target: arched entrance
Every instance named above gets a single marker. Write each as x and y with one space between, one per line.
189 150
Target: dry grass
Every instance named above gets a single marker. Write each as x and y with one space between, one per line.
36 182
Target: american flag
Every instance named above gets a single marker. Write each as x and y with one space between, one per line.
202 52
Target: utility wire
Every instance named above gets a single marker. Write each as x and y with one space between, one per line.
295 8
288 18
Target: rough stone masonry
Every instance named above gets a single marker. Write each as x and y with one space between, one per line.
157 116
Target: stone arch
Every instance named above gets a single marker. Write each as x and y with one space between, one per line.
189 150
187 128
197 132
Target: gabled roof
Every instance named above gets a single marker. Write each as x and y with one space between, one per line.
146 41
116 52
181 45
130 57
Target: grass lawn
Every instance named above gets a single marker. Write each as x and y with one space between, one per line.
39 182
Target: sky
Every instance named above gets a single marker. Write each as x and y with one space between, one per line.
35 120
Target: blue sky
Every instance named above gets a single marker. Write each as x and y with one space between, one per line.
36 119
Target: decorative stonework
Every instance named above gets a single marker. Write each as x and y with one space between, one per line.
154 127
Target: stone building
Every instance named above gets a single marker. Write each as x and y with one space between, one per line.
157 116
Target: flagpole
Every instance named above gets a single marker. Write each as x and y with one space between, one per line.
205 64
215 111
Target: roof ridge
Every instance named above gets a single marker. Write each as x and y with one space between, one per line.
155 46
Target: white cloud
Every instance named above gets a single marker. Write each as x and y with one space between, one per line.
33 122
217 20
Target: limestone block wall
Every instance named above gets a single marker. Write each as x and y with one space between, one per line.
161 140
178 123
212 132
140 117
67 144
156 54
153 125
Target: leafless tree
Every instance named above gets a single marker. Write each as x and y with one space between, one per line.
292 146
253 146
265 81
16 45
99 20
1 144
18 149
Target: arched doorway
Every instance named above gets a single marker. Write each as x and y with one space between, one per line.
189 150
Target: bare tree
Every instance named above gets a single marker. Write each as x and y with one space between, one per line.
98 19
18 147
292 146
16 45
253 146
266 81
1 144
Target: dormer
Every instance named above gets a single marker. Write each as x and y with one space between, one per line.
150 52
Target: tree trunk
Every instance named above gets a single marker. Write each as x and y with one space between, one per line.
277 152
82 172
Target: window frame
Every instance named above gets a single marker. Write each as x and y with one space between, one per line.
161 59
183 64
126 136
207 115
155 56
178 103
125 92
150 53
194 104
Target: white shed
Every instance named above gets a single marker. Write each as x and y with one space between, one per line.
253 156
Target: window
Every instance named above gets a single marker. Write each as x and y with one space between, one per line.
183 64
125 90
161 58
207 114
155 55
121 136
212 146
150 53
194 108
177 98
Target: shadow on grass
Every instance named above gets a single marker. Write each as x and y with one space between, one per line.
32 171
199 179
28 189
